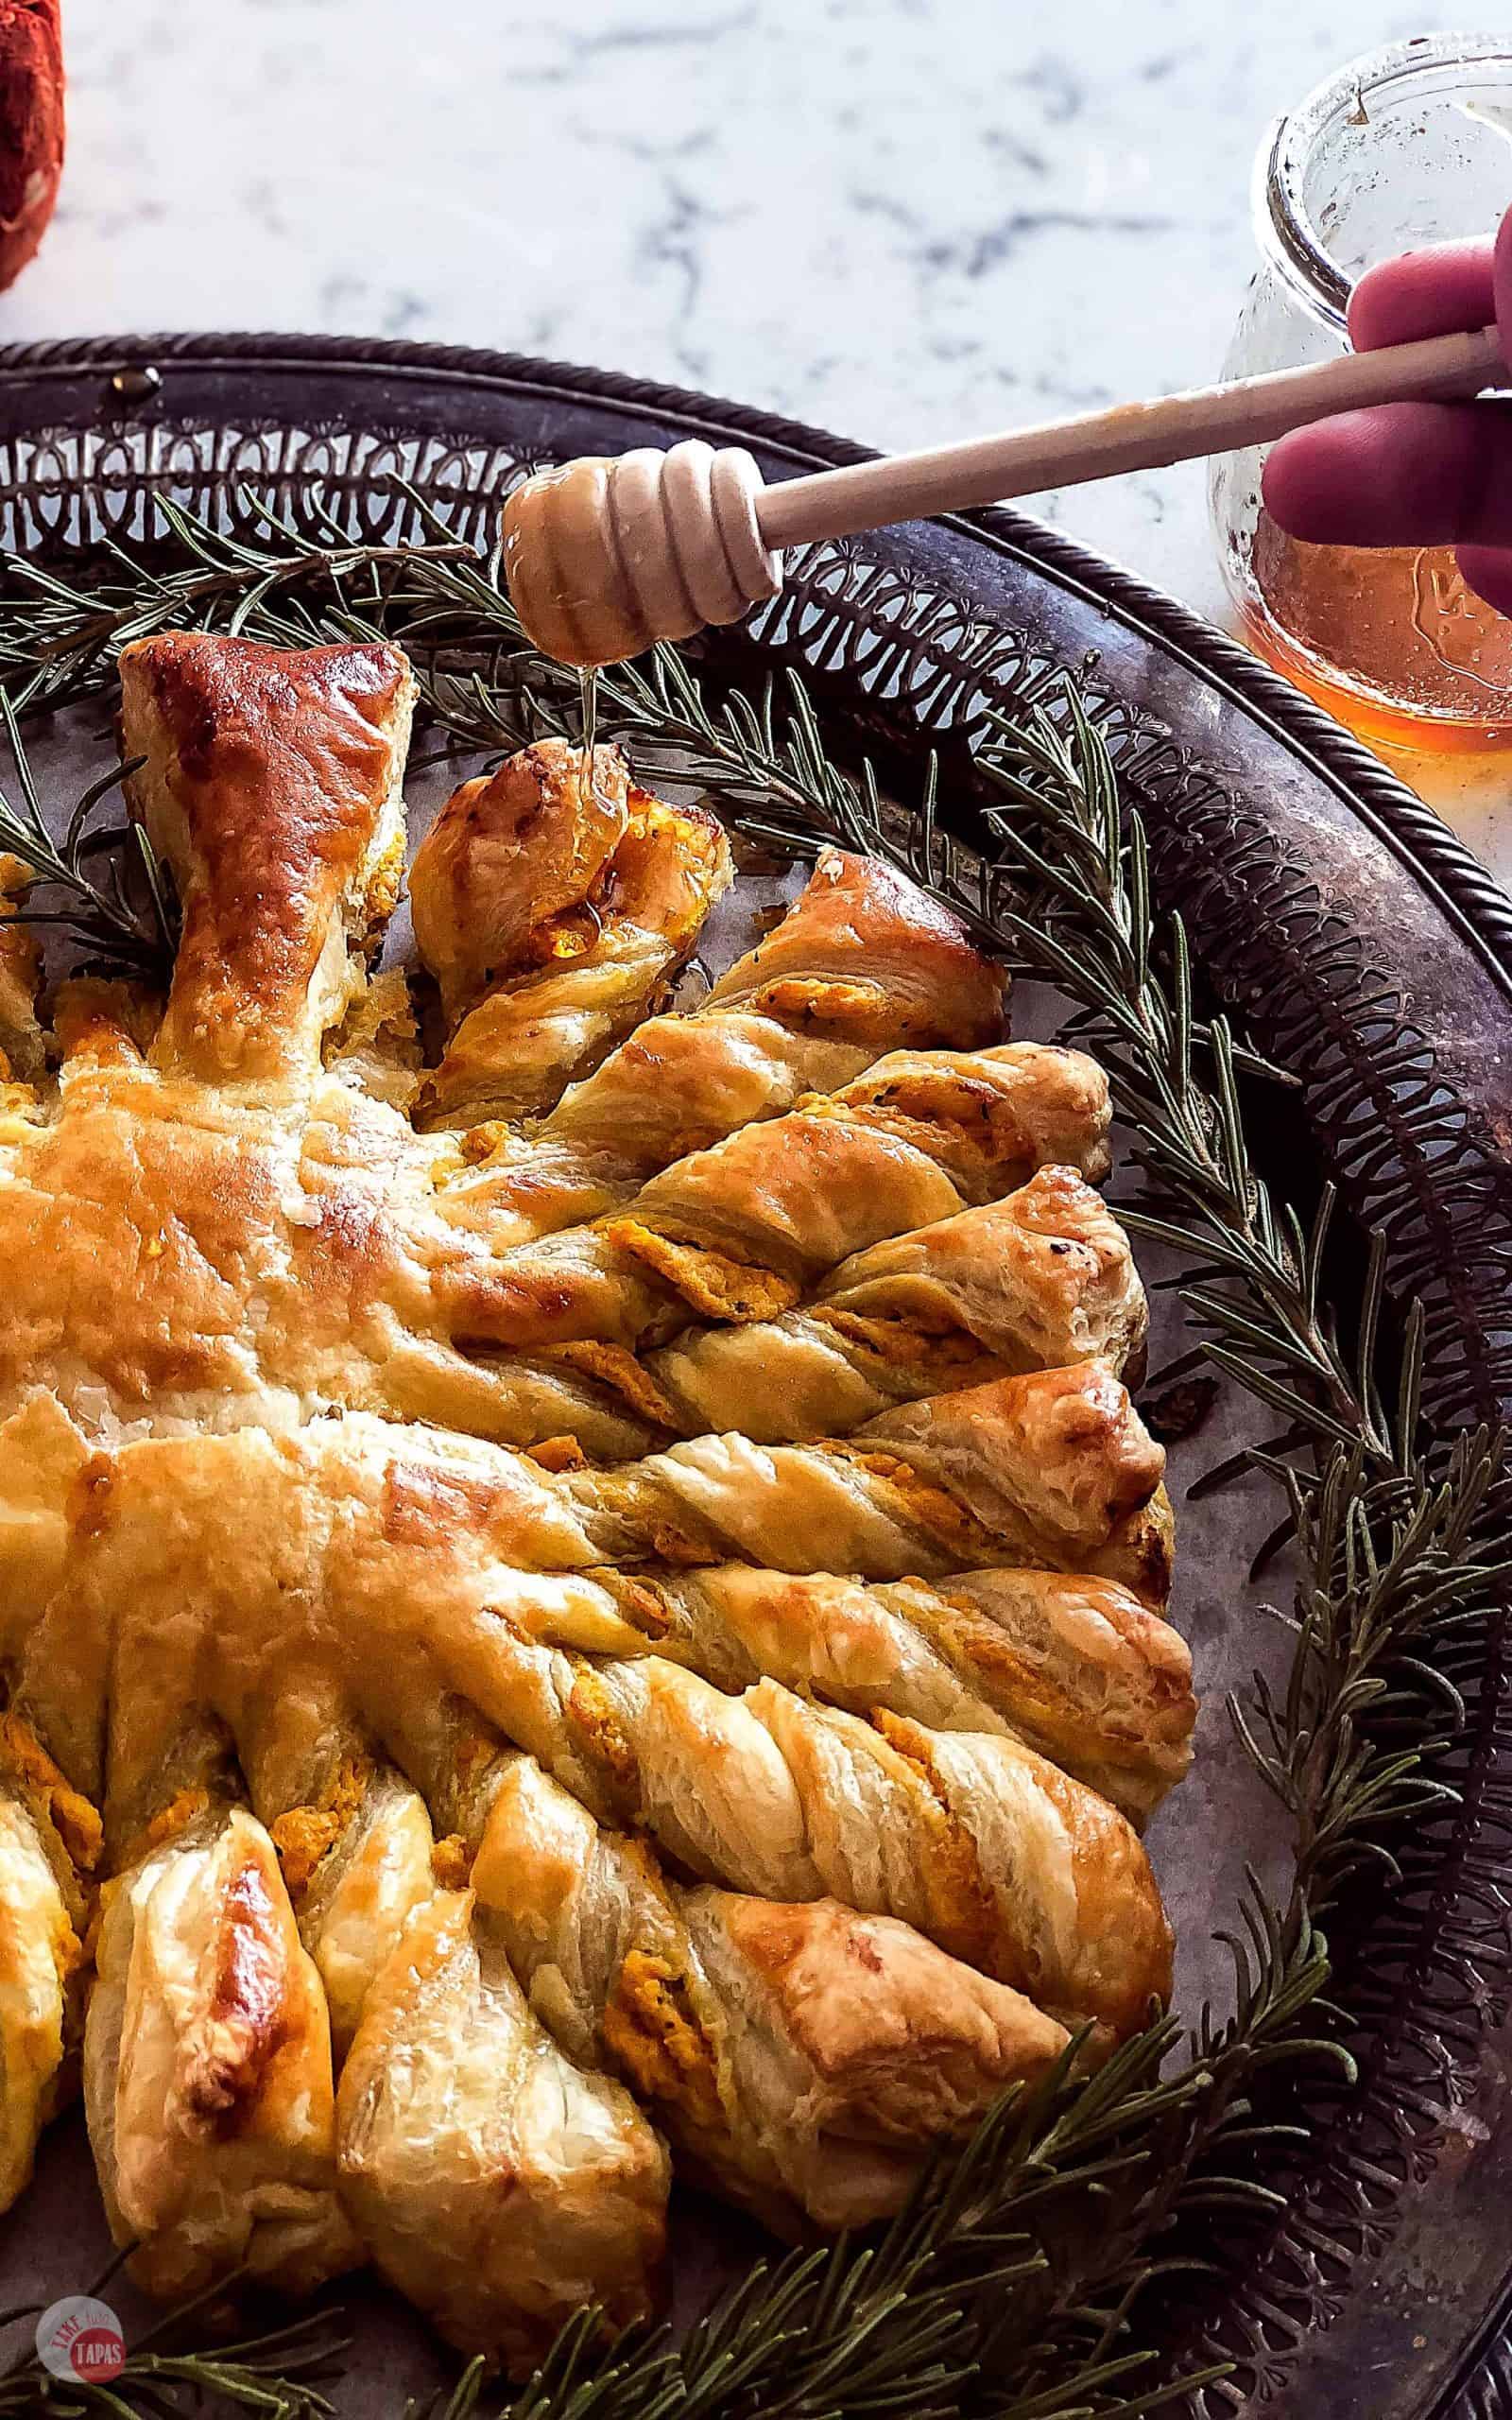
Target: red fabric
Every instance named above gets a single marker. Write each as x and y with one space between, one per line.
31 126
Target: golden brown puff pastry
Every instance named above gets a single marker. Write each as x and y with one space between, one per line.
946 2057
376 1049
566 899
428 1533
739 1232
353 1840
1074 1667
271 790
365 1523
185 1255
50 1842
1054 1469
860 963
802 2058
1035 1281
309 1554
874 959
498 2184
764 1792
197 1244
773 1795
509 857
224 1220
40 1957
493 2183
207 2067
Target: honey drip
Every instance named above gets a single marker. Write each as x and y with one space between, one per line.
588 694
1389 638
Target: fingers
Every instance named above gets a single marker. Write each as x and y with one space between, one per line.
1428 293
1489 571
1406 474
1411 475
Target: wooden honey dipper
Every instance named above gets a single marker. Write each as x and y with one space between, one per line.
607 553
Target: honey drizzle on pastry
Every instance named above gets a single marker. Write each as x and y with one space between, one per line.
588 704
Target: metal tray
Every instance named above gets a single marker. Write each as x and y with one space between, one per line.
1362 948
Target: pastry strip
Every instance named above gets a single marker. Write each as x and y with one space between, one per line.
737 2020
861 964
1037 1280
743 1230
552 903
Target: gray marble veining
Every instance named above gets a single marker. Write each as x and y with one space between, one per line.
905 220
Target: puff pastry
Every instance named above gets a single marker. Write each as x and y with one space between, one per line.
764 1792
737 2020
40 1957
1054 1469
263 1239
499 2185
860 964
1074 1667
743 1230
1038 1280
207 2066
452 1818
564 896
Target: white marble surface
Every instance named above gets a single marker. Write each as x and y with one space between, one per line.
905 220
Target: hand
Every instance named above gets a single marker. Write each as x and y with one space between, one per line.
1414 475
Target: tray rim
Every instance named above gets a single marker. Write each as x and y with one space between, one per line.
1467 893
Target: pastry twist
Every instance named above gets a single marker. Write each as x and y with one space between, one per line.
1055 1470
206 2060
1037 1280
734 2018
973 1839
551 901
743 1230
1074 1668
499 2184
276 804
50 1848
859 965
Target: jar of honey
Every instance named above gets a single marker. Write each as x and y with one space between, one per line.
1407 147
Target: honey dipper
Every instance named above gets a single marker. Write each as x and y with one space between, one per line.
607 554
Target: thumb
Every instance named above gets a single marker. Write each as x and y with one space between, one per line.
1501 286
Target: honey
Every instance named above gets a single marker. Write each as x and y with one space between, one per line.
588 700
1388 638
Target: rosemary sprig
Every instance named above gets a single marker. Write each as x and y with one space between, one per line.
58 640
277 2376
80 883
888 2326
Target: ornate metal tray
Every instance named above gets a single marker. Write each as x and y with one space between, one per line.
1359 945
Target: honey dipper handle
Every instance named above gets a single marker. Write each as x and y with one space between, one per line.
1130 437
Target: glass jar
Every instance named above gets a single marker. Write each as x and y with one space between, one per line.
1405 147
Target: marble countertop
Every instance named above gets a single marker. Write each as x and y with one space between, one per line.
904 219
